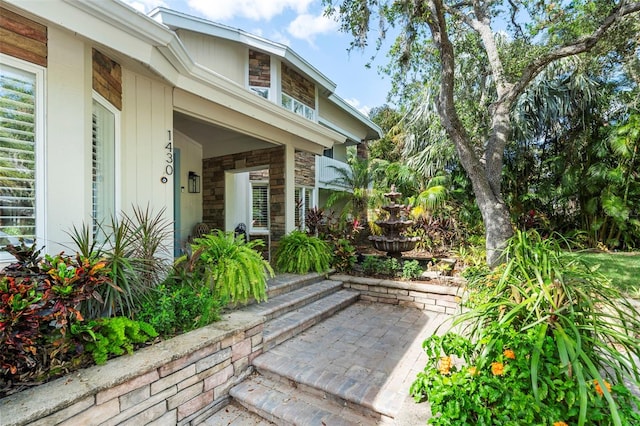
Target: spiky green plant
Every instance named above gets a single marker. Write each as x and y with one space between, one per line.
300 253
593 327
135 248
232 266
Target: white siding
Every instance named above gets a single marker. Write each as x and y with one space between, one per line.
147 119
222 56
68 137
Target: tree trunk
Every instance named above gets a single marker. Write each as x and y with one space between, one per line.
485 175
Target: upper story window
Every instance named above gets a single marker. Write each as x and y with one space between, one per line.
298 107
260 73
21 151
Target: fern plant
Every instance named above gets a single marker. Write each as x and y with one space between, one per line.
233 267
300 253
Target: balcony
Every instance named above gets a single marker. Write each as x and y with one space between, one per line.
326 174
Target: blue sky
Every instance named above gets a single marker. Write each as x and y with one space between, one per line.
299 24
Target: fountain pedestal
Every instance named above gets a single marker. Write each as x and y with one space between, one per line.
393 240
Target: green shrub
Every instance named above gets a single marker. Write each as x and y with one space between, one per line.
177 307
549 341
372 265
411 269
300 253
113 336
344 255
232 267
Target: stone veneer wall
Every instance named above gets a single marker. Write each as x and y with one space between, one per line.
181 381
297 86
259 69
213 170
443 296
305 169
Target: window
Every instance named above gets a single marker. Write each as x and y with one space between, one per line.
263 92
303 199
103 144
298 107
260 206
21 149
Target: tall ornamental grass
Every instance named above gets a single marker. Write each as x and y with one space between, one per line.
547 340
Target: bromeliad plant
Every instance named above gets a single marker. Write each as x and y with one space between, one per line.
300 253
548 341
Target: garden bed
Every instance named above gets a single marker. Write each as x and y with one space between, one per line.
178 381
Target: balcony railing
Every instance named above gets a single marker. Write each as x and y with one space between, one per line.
326 174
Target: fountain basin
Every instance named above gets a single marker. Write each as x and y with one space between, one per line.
393 246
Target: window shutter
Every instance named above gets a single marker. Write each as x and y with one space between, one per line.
260 207
17 155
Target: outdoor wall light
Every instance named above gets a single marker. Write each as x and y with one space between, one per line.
193 185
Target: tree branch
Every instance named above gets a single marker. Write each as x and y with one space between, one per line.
581 45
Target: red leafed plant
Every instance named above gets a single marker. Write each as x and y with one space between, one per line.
39 299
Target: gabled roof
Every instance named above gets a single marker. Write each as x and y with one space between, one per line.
178 20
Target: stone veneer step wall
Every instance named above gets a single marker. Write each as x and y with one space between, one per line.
442 294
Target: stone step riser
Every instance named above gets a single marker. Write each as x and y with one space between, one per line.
294 284
273 338
297 304
322 395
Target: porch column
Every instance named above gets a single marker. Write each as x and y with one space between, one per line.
289 188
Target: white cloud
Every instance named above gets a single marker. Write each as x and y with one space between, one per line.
307 27
364 109
145 6
278 37
257 10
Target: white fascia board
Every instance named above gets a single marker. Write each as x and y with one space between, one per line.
351 110
348 136
178 20
229 94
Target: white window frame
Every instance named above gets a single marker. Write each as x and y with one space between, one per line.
297 107
307 202
39 73
259 229
263 92
96 97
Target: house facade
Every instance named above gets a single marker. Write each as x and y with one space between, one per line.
105 108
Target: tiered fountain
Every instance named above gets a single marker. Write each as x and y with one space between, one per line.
393 240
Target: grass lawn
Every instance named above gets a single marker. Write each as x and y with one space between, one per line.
622 268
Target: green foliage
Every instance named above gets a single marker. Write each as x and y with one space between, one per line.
113 336
38 303
411 269
573 336
344 255
136 249
176 307
232 267
300 253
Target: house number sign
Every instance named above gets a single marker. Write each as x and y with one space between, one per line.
168 168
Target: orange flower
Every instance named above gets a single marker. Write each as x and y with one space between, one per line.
473 371
599 390
497 368
560 424
445 365
509 354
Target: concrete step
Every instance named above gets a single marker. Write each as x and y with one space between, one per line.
285 283
290 324
285 404
295 299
